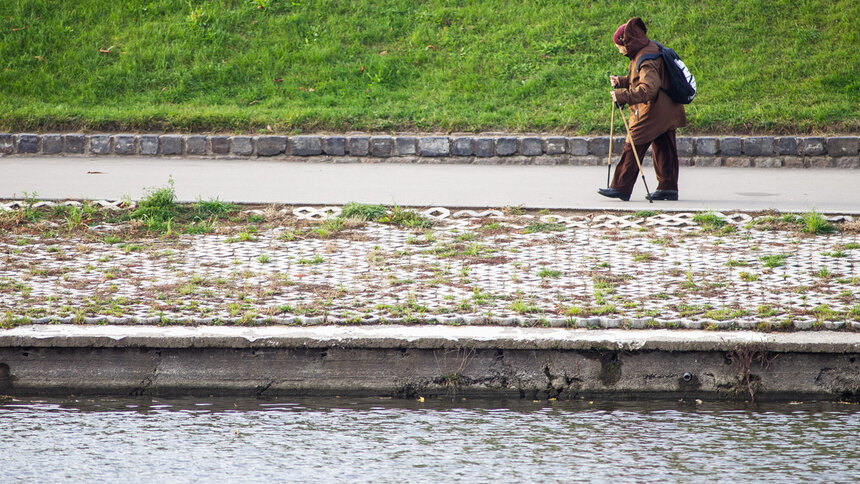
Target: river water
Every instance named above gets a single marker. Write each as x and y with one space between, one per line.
381 440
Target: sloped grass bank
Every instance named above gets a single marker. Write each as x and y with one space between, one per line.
326 65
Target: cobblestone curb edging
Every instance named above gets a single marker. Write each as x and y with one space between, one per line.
711 151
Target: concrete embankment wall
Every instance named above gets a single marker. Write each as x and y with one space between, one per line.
492 148
427 361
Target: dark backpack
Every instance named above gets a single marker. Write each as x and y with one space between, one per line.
682 84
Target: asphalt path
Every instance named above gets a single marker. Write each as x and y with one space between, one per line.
559 187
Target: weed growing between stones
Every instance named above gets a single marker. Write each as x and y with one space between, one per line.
709 221
815 223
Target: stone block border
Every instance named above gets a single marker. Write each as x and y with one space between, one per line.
711 151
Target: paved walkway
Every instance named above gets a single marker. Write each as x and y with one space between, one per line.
750 189
553 268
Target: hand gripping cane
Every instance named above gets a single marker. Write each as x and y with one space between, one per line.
635 154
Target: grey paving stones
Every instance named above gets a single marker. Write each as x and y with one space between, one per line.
707 146
488 148
531 146
384 267
149 144
767 162
27 143
307 145
556 146
359 145
195 145
485 147
599 145
220 145
738 161
578 146
846 162
506 146
75 143
811 146
463 146
685 146
730 146
382 146
786 145
52 144
793 161
124 144
271 145
7 143
100 144
406 145
243 145
171 144
709 161
434 146
334 145
843 145
758 146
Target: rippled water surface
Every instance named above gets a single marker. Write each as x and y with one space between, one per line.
435 441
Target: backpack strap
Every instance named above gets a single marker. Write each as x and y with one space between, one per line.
650 56
645 57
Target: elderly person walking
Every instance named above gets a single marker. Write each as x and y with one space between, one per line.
654 117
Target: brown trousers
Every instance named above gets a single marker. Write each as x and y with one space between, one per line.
665 154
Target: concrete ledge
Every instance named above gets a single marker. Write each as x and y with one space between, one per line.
425 361
120 336
753 151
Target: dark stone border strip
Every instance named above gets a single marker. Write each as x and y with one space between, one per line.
733 151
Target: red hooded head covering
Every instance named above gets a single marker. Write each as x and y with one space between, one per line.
619 35
633 36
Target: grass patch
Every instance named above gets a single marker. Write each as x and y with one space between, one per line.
709 221
523 307
551 273
214 207
774 260
404 217
412 65
644 257
362 211
815 223
316 259
836 254
748 277
535 227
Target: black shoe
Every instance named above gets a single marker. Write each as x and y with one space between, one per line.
664 195
613 193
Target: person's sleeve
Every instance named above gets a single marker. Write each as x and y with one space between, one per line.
623 82
646 90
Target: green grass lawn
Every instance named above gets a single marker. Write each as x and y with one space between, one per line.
423 65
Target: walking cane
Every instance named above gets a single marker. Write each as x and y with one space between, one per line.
635 154
609 161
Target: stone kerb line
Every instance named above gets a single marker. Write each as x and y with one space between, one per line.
712 151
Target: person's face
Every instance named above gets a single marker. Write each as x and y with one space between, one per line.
621 48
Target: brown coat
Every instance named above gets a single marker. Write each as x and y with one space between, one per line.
652 112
